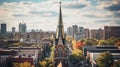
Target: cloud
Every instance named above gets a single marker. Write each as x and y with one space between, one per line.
78 4
20 15
116 13
113 7
91 16
75 6
98 14
45 13
110 5
103 21
39 14
117 21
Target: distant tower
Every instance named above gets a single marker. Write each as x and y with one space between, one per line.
13 29
3 28
22 28
75 29
86 33
70 31
60 52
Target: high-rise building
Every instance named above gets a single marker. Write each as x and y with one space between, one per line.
100 34
32 30
97 34
86 33
69 31
13 29
81 30
111 31
22 28
3 28
93 33
80 34
75 29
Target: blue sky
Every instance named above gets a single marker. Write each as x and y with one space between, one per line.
43 14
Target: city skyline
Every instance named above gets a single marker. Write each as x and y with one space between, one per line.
43 14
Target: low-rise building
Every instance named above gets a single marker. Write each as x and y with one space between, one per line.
91 53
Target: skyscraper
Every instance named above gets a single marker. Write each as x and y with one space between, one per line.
111 31
100 34
79 34
22 28
3 28
97 34
69 31
13 29
75 29
93 33
86 33
81 30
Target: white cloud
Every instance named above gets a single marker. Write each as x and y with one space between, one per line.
46 16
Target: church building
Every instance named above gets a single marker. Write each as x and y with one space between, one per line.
60 52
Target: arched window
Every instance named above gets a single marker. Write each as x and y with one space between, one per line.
60 52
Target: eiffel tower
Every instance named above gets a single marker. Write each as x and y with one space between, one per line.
60 52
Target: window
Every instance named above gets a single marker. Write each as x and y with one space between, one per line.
60 52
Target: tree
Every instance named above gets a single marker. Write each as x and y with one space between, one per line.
103 42
116 63
104 59
76 56
90 42
46 63
74 44
16 65
117 42
79 45
43 63
24 64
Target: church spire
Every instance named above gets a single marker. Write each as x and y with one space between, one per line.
60 16
60 27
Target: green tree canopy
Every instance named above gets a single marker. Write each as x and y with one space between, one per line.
91 42
76 56
46 63
104 59
116 64
103 42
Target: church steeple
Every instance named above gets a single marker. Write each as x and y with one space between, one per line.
60 28
60 52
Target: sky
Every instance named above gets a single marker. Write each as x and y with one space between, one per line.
43 14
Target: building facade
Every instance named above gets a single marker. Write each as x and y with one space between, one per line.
75 29
3 28
97 34
13 29
111 31
91 53
86 33
22 28
70 31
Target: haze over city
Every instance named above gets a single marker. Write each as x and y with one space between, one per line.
43 14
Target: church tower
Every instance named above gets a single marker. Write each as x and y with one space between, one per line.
60 52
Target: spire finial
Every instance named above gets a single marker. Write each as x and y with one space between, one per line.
60 2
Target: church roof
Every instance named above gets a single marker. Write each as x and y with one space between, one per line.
60 64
